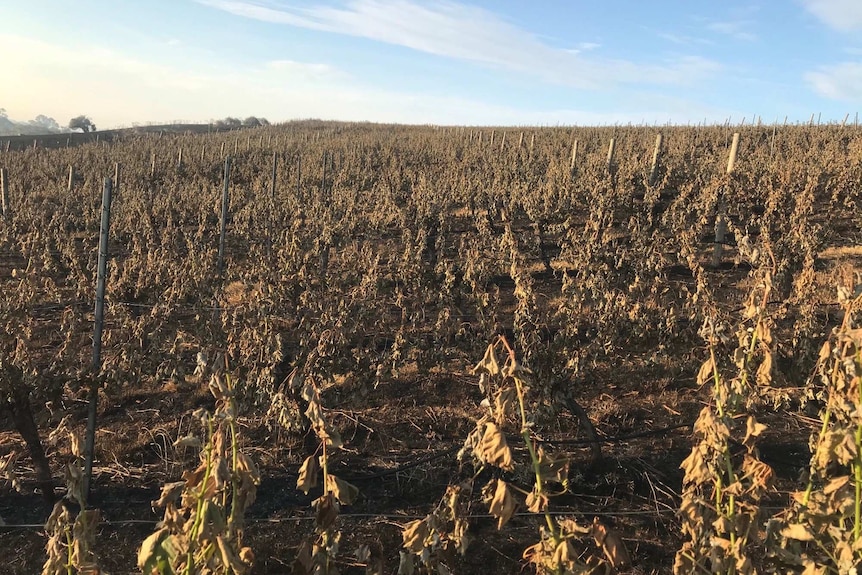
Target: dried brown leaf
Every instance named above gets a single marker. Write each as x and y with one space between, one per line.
229 556
489 362
836 484
150 553
246 555
797 531
764 334
502 504
170 494
759 473
189 441
344 492
537 502
308 474
764 371
706 371
846 449
752 430
327 510
825 352
611 544
493 448
77 444
504 399
303 563
695 466
414 535
535 553
564 555
553 468
193 478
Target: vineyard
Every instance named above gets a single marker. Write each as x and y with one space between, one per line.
349 348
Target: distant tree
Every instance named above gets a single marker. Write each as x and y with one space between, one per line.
82 123
3 113
264 122
230 122
251 122
45 122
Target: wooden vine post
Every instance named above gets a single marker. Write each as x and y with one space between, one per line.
611 149
4 194
574 158
720 217
98 324
656 157
71 182
225 203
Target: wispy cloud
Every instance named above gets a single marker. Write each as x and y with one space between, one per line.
587 46
473 34
684 40
583 47
842 81
313 71
844 15
838 82
737 29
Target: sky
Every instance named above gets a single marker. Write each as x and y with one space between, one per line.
449 62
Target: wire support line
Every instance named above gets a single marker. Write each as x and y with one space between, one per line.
360 516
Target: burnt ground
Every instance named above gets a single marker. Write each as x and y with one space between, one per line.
400 452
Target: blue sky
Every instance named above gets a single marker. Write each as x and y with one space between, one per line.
444 62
